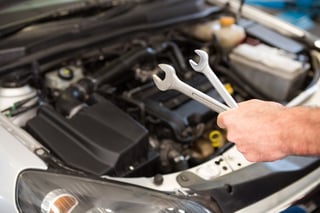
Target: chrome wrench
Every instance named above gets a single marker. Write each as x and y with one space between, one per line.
171 81
204 67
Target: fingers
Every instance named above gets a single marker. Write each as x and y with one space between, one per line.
226 118
220 120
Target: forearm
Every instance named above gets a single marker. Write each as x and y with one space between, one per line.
301 125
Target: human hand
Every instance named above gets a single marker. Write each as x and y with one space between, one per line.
258 129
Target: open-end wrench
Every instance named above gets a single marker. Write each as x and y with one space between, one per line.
204 67
171 81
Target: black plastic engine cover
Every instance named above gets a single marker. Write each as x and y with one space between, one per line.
100 139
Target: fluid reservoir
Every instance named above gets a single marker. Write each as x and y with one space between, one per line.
62 78
228 33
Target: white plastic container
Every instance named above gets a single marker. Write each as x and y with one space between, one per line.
269 69
228 33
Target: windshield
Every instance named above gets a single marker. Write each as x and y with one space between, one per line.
19 14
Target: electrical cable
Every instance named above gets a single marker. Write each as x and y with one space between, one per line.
20 107
18 104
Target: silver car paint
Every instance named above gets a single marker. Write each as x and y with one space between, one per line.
14 158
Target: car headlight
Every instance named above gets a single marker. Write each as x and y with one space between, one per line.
39 191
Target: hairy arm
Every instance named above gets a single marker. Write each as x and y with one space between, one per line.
267 131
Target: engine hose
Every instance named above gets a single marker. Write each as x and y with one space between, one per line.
176 53
120 66
78 93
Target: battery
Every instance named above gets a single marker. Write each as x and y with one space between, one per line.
272 70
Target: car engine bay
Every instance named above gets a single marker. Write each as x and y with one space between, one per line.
77 94
82 85
98 109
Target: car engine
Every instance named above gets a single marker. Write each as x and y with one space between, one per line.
82 86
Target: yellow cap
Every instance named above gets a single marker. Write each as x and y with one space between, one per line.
216 138
226 21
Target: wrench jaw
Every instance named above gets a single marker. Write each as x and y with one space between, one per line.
171 81
204 67
203 61
158 82
166 83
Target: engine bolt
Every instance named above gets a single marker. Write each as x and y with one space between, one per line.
158 179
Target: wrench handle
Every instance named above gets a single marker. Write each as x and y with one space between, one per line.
214 80
200 97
